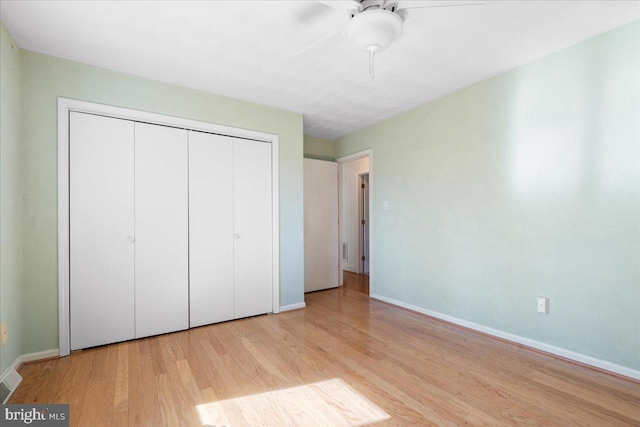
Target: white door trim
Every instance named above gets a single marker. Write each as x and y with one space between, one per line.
65 105
355 156
361 215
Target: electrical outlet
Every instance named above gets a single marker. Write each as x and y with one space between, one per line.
4 336
543 305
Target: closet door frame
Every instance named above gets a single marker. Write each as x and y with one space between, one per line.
65 107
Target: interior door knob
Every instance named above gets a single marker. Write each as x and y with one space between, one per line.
131 239
236 236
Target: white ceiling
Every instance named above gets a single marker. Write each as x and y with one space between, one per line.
242 49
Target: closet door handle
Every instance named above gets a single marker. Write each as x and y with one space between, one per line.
131 239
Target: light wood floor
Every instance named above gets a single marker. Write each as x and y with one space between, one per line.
356 282
418 370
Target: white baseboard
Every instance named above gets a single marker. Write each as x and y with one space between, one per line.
548 348
32 357
292 307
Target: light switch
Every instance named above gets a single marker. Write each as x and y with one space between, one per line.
385 205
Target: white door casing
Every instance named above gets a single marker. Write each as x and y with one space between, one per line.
364 227
350 221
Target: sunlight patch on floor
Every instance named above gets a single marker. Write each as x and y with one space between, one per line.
326 403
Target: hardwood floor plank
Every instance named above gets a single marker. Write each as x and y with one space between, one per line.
135 391
121 393
223 383
150 411
97 405
120 414
168 411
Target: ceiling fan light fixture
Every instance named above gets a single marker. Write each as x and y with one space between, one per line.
374 28
373 31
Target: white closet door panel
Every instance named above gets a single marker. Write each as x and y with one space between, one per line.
320 225
252 227
210 228
101 225
161 220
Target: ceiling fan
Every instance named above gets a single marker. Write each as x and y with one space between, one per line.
375 24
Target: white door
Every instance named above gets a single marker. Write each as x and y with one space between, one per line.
161 222
210 228
101 203
252 228
320 225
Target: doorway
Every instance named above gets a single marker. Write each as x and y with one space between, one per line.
356 217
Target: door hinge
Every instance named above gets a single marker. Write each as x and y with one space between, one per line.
363 257
363 222
362 185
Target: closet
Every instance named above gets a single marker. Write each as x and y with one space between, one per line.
169 228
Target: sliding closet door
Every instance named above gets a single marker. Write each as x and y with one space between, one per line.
161 221
252 228
101 230
210 228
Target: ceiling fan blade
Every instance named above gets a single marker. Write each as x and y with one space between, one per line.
314 44
308 11
347 6
441 5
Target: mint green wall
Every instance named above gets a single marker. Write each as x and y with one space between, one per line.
525 184
9 196
318 148
44 78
